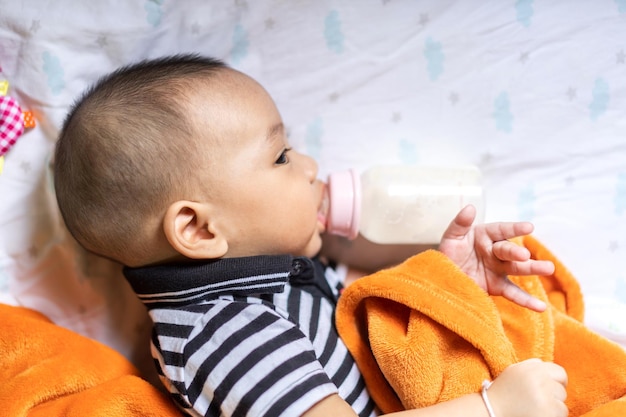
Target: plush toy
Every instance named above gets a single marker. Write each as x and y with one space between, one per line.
13 121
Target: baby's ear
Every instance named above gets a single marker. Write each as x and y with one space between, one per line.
189 229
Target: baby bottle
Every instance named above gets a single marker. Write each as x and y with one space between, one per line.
401 204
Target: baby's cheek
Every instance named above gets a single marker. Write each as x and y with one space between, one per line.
315 245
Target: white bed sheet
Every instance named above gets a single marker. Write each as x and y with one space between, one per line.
532 92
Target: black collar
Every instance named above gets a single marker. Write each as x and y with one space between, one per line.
192 282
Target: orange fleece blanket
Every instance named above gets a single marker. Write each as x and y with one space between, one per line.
423 332
49 371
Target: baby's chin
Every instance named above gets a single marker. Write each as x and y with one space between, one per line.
314 246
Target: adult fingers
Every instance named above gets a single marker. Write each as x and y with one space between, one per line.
557 373
560 393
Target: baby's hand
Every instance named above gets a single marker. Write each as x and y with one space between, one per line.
483 252
528 389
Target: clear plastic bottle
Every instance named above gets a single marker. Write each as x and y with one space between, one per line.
401 204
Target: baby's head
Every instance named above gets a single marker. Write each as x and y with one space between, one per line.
183 158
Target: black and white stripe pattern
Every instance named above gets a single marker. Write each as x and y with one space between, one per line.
249 336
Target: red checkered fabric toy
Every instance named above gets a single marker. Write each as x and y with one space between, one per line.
11 123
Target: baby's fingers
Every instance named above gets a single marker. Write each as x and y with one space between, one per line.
507 230
520 297
461 224
529 267
517 260
509 251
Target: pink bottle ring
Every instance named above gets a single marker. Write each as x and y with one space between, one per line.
344 213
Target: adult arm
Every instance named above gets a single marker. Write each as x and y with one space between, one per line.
527 389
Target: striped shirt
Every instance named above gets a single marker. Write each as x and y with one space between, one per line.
251 336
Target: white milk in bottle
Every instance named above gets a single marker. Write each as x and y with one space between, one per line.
401 204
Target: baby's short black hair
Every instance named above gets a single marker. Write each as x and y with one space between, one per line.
125 150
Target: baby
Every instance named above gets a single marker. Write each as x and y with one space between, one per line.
180 169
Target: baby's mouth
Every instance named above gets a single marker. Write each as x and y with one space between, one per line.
322 212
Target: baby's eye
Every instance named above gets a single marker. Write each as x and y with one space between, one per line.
283 158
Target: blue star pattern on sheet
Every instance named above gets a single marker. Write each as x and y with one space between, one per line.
407 152
525 11
526 202
240 44
433 52
333 33
600 98
502 112
154 12
314 134
620 291
54 72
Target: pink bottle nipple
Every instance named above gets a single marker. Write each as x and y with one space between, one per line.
344 213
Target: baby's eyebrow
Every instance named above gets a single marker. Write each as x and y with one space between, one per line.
276 130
